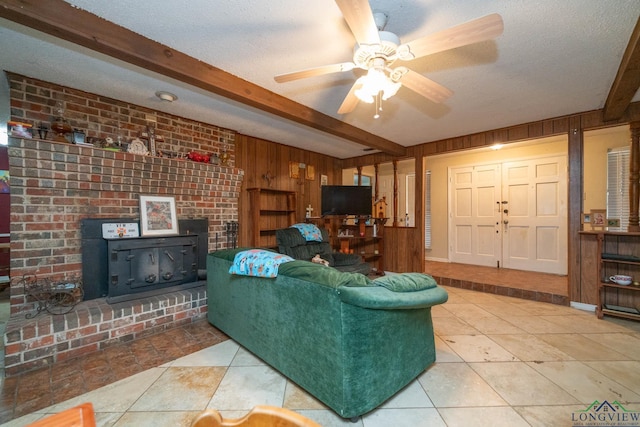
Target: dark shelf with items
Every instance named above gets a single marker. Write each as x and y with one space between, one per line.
618 254
362 235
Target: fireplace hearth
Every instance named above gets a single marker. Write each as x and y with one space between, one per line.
127 268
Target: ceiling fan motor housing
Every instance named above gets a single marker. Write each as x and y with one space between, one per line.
387 50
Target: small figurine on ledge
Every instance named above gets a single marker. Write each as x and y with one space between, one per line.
59 125
136 146
380 207
199 157
344 233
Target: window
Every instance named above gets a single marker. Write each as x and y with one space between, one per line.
427 210
366 180
618 186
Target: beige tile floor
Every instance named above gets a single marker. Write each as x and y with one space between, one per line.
501 361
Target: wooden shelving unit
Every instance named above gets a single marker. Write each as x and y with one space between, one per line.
619 253
270 210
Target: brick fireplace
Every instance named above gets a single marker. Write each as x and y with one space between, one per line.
54 186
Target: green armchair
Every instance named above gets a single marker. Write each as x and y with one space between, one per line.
291 242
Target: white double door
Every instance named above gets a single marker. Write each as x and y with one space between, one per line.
511 214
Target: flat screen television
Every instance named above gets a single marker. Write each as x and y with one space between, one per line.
346 200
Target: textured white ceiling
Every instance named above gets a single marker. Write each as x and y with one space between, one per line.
554 58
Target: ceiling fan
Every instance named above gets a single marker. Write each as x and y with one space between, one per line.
377 50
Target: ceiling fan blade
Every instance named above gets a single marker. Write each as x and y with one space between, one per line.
350 101
425 87
359 17
478 30
317 71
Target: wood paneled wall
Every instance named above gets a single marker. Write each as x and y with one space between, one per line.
400 256
573 126
258 157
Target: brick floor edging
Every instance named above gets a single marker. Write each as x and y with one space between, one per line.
94 325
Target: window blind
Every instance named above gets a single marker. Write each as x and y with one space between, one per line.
427 210
618 186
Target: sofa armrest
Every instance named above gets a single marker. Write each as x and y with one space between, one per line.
380 298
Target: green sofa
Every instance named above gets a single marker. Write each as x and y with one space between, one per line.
349 341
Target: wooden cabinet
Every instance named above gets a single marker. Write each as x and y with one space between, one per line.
362 236
270 210
619 253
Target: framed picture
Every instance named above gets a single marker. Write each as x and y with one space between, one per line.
158 216
613 222
294 170
586 218
4 182
598 218
324 180
310 173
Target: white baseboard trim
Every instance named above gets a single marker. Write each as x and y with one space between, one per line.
582 306
437 259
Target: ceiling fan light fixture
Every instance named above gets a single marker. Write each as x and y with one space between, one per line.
375 82
391 88
364 92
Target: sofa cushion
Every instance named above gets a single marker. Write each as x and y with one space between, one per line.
317 273
258 262
406 282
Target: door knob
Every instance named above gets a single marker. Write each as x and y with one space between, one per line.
506 211
506 221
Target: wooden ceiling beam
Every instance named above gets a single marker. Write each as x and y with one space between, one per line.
627 80
64 21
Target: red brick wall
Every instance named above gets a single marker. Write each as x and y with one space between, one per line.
5 207
55 184
34 102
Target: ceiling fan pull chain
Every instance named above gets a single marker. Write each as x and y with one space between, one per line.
378 106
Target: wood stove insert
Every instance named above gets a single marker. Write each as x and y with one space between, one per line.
150 264
128 268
